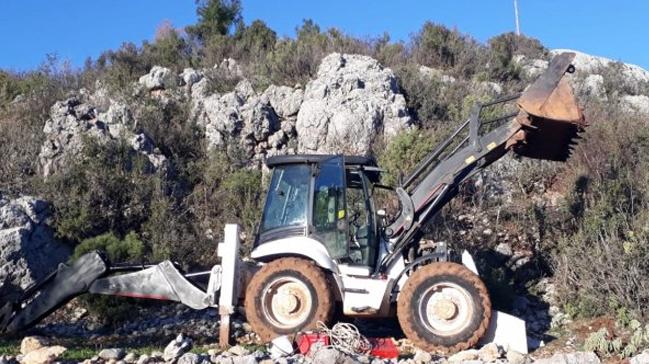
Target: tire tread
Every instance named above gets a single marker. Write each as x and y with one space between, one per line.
404 309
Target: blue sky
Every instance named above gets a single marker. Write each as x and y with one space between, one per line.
76 29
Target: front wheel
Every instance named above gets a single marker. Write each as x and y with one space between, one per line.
286 296
444 307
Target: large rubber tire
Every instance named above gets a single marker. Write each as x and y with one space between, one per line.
259 291
417 292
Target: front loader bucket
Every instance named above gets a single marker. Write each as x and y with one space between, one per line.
550 114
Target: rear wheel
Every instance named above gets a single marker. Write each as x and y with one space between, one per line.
444 307
286 296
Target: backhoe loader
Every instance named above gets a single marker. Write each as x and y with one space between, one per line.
323 244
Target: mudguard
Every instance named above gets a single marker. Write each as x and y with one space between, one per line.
297 245
300 246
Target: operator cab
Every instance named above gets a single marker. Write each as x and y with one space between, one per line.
327 198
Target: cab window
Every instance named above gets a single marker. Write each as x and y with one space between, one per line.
288 193
329 214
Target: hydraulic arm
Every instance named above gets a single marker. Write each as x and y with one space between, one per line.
546 122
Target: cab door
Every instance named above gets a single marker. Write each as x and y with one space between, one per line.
362 227
329 214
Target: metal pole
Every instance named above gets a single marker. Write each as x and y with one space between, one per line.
229 253
518 26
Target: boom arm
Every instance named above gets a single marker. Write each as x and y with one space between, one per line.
544 127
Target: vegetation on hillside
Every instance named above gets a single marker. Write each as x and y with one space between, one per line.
594 242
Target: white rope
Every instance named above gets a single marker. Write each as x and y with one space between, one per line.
346 338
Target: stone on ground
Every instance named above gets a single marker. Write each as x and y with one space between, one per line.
143 359
571 358
642 358
490 352
330 355
31 343
462 356
176 348
130 358
514 357
189 358
422 357
44 355
238 350
112 354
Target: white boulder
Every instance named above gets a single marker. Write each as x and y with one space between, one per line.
158 78
353 101
28 249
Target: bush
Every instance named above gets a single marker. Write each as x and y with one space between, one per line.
128 249
602 255
109 309
107 189
403 153
170 49
22 120
439 47
434 102
296 60
254 42
389 54
423 95
227 193
119 69
502 49
215 18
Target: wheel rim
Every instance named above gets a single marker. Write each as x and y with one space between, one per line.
446 309
286 302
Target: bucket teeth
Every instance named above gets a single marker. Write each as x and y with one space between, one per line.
550 115
553 141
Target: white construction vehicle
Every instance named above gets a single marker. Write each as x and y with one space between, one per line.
323 243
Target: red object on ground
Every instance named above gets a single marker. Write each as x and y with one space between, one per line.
384 348
311 340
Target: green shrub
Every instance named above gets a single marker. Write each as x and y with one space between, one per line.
403 153
602 254
439 47
169 49
107 189
111 310
424 96
128 249
21 122
226 193
502 49
254 42
215 18
630 339
119 69
296 60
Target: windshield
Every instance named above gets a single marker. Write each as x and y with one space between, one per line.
286 204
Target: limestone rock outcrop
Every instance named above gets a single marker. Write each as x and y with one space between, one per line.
72 122
352 102
259 124
159 78
28 249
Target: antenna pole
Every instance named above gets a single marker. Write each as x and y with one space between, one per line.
518 26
